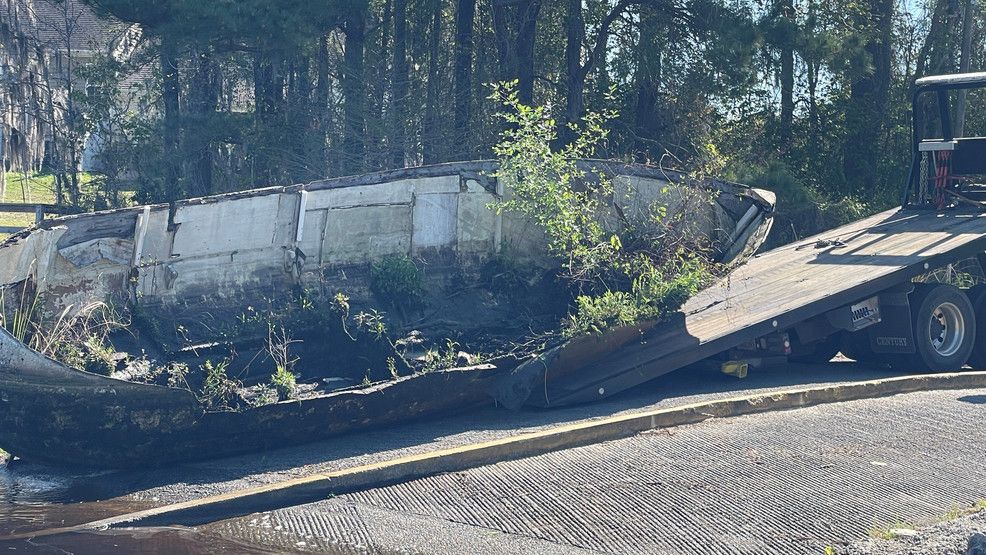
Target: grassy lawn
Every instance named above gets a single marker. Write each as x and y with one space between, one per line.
37 188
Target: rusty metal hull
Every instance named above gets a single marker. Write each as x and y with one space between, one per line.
55 414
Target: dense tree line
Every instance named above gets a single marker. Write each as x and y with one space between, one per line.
808 97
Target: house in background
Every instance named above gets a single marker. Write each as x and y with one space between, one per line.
43 45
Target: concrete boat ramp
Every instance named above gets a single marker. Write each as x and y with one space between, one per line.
532 504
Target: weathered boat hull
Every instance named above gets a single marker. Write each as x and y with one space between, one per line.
55 414
211 256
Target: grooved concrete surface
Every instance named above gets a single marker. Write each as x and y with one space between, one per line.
785 482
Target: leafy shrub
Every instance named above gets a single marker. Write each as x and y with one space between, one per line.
219 391
641 273
395 279
91 355
544 183
655 293
371 322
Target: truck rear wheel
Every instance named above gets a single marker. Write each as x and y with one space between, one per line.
977 295
944 329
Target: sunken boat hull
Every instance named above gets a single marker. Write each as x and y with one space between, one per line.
55 414
207 258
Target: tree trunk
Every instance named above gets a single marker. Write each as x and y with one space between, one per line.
575 73
202 100
170 90
526 39
321 105
465 14
353 93
647 79
965 61
378 83
515 30
431 136
867 107
398 86
786 12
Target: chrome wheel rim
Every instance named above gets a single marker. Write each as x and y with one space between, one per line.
946 329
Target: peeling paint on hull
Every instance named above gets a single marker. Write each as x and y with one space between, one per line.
232 247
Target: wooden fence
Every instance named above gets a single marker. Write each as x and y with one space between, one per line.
39 212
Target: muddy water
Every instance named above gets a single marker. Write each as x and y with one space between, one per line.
35 498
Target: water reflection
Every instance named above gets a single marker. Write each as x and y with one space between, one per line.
33 497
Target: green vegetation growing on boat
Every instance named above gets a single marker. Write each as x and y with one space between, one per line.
641 269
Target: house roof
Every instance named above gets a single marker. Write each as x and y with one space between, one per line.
68 23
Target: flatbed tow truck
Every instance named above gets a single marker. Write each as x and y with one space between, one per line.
851 289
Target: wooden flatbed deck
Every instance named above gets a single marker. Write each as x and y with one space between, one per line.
780 288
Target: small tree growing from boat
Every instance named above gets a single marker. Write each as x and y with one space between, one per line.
641 272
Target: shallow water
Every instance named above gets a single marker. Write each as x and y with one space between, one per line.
35 498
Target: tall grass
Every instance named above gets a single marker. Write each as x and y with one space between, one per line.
21 318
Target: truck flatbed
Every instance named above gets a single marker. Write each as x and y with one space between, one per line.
778 289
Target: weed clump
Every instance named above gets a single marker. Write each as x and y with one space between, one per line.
266 395
438 359
98 357
284 383
283 380
396 280
219 391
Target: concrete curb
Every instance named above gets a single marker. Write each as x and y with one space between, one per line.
319 486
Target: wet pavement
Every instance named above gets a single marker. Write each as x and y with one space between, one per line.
35 497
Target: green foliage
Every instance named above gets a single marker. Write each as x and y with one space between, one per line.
98 357
396 279
371 322
283 380
802 210
438 359
641 272
284 383
219 391
655 293
548 186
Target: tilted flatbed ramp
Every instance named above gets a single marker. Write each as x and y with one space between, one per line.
775 291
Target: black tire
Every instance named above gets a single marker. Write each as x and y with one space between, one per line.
817 352
944 329
977 295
